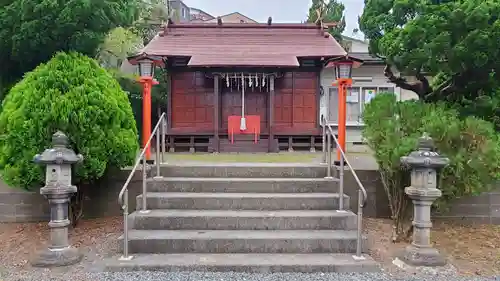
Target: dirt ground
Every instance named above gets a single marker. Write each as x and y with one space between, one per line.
19 243
472 249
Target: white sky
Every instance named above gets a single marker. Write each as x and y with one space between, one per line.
279 10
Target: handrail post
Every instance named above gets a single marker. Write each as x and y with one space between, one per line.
157 160
125 255
329 156
163 138
341 183
144 185
362 196
359 240
123 195
323 143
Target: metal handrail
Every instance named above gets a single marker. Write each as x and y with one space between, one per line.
328 133
123 196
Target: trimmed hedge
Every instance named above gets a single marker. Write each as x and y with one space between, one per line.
71 93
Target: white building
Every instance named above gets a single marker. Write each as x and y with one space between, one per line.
368 80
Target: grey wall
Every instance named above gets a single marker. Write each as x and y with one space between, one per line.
484 208
20 206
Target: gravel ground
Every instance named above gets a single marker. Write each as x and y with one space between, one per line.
473 250
230 276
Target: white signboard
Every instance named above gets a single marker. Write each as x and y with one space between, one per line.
352 96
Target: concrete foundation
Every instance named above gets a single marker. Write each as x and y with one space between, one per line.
54 258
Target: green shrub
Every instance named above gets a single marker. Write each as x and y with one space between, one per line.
472 145
71 93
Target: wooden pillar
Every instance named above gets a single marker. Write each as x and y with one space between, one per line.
313 144
216 113
191 145
172 144
170 81
169 99
293 99
327 98
271 147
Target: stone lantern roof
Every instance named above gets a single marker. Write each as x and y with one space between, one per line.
60 153
425 156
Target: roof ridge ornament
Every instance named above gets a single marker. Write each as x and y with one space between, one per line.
165 26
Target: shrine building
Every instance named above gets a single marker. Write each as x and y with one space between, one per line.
243 87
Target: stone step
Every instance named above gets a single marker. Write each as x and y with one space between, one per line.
245 145
242 201
241 241
243 220
243 170
257 185
251 263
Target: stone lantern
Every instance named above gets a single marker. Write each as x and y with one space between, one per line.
58 190
424 164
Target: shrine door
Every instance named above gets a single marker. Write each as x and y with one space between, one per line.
256 103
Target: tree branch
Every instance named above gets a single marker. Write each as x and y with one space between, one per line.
444 89
422 87
423 80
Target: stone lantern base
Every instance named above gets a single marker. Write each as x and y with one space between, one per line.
416 256
60 257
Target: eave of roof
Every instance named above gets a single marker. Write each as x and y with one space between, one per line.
366 58
243 61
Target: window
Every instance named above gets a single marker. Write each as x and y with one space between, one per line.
183 13
334 104
353 110
356 99
386 90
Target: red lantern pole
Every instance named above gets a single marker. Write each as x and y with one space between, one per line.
147 83
343 83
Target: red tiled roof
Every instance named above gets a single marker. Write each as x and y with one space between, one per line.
243 44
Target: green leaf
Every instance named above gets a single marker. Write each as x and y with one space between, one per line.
71 93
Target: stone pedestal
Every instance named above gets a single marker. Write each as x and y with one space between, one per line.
423 191
58 190
420 252
59 252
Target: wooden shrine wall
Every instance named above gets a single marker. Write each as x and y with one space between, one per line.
192 103
296 103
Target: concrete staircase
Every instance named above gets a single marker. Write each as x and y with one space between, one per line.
243 217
